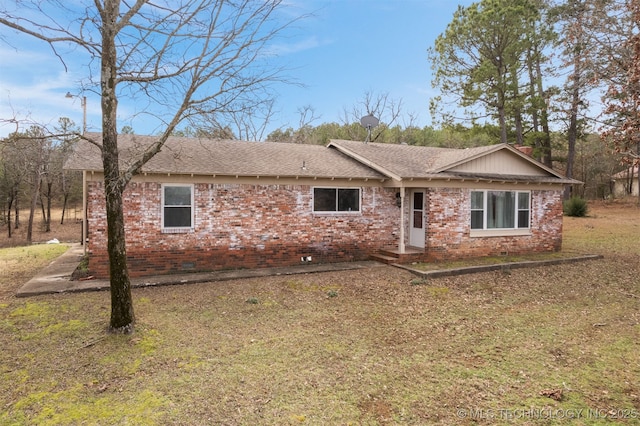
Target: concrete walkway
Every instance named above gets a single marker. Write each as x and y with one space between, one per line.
56 277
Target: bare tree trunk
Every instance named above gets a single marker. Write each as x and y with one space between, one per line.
547 158
44 212
49 195
64 207
517 110
9 203
535 111
572 133
122 316
34 203
17 211
503 124
518 128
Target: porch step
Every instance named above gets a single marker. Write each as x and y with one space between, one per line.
379 257
393 255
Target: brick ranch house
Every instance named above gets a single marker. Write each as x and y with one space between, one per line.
217 204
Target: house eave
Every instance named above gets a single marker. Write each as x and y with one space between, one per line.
430 180
476 180
245 177
514 179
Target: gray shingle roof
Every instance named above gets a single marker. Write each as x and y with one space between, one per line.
409 161
224 157
341 159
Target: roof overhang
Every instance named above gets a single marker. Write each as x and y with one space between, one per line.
244 177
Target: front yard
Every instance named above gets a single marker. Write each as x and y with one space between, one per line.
526 346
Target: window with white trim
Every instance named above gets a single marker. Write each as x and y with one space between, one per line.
177 207
500 209
336 200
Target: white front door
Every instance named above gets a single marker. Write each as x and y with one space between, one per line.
416 219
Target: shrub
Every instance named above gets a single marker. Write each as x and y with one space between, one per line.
576 207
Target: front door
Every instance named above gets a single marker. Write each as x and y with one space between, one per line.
416 231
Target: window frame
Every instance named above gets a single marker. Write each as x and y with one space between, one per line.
163 206
520 209
517 209
337 199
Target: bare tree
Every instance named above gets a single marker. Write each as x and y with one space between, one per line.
307 114
32 157
382 106
623 95
611 60
304 133
13 177
24 158
246 123
65 145
185 60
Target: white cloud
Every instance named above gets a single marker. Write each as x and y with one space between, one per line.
309 43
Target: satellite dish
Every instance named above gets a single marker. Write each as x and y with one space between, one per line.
369 122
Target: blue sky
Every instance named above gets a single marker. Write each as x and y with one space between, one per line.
347 48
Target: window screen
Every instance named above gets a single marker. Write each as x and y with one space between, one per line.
500 209
336 200
177 206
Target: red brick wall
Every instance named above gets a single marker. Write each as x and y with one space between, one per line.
241 226
255 226
449 225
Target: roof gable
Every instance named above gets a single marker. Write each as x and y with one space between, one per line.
500 162
419 162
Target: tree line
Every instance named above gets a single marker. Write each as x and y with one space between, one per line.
550 74
32 176
534 65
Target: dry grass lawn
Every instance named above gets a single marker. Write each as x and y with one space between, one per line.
529 346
